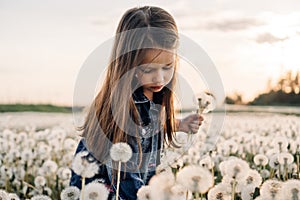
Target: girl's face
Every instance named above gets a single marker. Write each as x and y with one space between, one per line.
156 71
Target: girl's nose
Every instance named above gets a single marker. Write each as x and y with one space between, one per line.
158 76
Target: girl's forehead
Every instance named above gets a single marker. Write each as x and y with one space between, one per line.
159 56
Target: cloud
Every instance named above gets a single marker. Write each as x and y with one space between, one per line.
269 38
233 24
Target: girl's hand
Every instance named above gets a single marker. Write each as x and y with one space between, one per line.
190 123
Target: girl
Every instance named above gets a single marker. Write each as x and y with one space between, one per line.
135 103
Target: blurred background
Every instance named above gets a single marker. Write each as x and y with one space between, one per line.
254 45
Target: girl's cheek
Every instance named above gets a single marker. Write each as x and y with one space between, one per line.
169 76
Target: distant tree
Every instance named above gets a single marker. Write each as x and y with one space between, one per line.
285 92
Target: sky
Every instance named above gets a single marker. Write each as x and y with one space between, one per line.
43 44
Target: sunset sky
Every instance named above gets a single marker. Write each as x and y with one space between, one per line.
43 44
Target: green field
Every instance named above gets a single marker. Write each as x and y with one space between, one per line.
34 108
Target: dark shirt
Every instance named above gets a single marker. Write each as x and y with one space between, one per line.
151 142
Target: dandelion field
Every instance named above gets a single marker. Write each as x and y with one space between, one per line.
256 156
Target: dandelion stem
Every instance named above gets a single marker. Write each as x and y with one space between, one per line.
233 189
271 173
118 180
187 195
82 187
297 158
197 195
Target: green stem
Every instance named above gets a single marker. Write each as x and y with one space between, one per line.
233 189
197 195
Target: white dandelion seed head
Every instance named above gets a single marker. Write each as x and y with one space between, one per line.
290 189
82 166
260 160
195 178
295 146
219 192
70 193
206 102
160 185
13 196
280 143
252 179
39 181
236 168
273 163
231 146
228 182
95 191
144 193
207 162
270 189
120 152
41 197
163 168
178 192
49 167
285 158
265 173
247 192
292 168
69 144
4 195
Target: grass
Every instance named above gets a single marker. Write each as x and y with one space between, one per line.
34 108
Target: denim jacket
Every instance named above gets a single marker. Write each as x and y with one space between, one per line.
150 133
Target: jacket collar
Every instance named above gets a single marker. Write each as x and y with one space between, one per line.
139 97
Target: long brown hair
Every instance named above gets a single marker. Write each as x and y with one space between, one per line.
113 108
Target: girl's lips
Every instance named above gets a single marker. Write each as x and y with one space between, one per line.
157 87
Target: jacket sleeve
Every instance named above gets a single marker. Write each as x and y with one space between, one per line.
76 180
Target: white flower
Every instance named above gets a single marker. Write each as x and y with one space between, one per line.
265 173
144 193
179 192
270 189
280 143
13 196
231 146
26 156
39 181
274 161
49 167
95 191
252 179
219 192
69 144
195 179
236 168
41 197
285 158
3 195
206 102
207 162
120 152
82 166
70 193
290 190
260 160
247 192
160 185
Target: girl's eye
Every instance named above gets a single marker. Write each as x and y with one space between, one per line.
146 71
168 67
